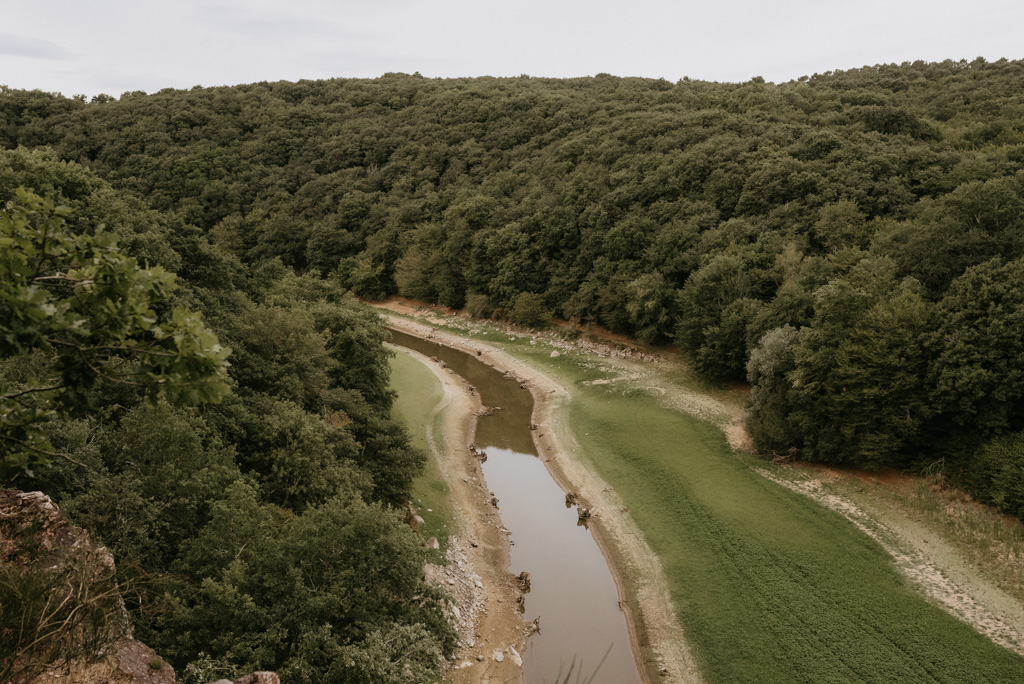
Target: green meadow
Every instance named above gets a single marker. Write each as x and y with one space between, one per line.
419 392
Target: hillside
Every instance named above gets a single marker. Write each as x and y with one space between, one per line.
255 524
849 242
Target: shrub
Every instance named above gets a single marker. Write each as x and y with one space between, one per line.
530 311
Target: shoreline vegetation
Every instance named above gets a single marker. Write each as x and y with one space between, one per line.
475 334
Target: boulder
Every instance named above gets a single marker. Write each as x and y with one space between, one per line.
259 678
36 539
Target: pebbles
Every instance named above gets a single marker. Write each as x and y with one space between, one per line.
463 586
467 605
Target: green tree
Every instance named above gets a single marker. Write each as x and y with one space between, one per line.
708 293
769 422
529 310
856 384
78 299
999 473
650 301
317 597
978 378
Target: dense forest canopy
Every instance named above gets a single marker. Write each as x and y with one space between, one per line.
851 243
259 530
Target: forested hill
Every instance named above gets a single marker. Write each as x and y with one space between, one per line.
262 531
851 242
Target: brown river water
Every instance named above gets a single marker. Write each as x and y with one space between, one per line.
572 590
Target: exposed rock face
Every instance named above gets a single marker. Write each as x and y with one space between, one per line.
127 662
35 537
34 533
90 640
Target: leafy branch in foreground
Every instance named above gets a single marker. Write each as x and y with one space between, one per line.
90 309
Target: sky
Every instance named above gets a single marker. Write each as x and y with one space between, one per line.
115 46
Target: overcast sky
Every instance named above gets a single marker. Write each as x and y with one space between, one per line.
113 46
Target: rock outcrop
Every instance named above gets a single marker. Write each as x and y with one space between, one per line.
127 662
70 601
254 678
39 547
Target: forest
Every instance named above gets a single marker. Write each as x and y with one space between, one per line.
851 244
242 467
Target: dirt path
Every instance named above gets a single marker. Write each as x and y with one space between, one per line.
932 565
657 639
477 574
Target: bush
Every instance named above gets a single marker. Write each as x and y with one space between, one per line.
479 305
1001 466
530 311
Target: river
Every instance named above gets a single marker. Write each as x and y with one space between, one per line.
573 594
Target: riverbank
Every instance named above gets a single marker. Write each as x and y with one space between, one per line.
769 586
476 572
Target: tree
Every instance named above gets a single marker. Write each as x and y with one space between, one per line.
316 597
977 377
529 310
650 302
771 360
707 294
89 309
856 384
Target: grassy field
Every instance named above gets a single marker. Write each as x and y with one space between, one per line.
769 586
419 392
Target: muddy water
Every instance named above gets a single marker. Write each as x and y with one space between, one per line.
572 590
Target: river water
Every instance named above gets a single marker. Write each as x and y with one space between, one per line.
572 590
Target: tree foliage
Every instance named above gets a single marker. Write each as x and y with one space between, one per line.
256 529
850 242
90 309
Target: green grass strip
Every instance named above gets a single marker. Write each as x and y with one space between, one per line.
419 392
